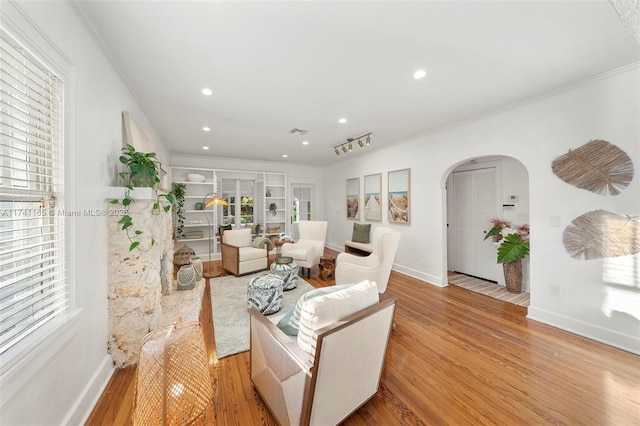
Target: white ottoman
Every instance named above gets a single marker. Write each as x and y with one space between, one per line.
265 293
288 271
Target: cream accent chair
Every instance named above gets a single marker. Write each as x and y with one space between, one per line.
239 257
342 369
375 267
307 250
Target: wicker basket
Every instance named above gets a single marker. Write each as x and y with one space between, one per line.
273 230
173 383
182 256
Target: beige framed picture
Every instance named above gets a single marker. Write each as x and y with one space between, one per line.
373 197
353 198
399 196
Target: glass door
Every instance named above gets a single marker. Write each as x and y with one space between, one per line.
301 206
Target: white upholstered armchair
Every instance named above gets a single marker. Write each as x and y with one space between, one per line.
238 254
324 380
307 250
375 267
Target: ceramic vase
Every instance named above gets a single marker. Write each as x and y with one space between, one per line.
197 264
513 276
187 277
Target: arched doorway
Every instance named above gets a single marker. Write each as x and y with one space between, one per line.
478 190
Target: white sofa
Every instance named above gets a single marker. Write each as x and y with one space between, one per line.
374 267
239 257
307 250
335 364
362 249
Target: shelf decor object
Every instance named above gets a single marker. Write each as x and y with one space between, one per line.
597 166
598 234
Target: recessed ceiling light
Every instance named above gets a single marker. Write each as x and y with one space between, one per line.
305 142
205 148
342 120
206 129
284 155
207 91
419 74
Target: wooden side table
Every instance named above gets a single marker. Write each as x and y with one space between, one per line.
327 267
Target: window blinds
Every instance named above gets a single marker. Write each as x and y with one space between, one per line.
33 286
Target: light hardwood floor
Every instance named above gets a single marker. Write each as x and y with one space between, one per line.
455 358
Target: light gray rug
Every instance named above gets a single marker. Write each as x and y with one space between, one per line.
230 316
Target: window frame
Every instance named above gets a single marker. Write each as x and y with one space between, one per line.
35 350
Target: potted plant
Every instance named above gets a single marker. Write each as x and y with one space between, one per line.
178 191
142 169
273 208
513 246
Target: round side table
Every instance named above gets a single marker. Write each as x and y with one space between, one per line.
327 267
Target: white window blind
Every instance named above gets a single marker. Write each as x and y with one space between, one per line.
33 286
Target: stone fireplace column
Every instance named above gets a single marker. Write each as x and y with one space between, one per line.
137 279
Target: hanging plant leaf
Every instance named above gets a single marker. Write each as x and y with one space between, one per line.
599 233
512 248
598 166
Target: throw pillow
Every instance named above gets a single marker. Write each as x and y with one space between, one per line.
255 229
223 228
290 322
325 310
361 233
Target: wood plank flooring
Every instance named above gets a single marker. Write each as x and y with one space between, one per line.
456 357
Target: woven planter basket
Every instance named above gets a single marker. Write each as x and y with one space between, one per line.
173 383
182 256
513 276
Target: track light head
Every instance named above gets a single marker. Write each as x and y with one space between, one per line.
347 145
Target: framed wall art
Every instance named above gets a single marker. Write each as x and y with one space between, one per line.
399 196
353 198
372 197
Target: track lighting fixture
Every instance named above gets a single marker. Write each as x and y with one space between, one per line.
347 145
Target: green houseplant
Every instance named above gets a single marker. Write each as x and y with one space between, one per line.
178 191
141 170
513 246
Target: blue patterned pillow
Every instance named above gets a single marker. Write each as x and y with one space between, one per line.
291 321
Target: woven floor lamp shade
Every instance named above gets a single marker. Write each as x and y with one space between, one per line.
173 383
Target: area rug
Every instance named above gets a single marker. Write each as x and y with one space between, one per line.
489 288
230 316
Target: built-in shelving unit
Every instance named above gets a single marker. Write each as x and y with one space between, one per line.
275 187
238 188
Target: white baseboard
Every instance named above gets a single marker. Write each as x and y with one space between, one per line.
609 337
84 404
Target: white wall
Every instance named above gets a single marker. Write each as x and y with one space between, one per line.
534 134
511 179
60 382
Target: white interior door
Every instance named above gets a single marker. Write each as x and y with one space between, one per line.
302 206
474 205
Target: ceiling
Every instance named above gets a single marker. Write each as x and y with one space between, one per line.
275 66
